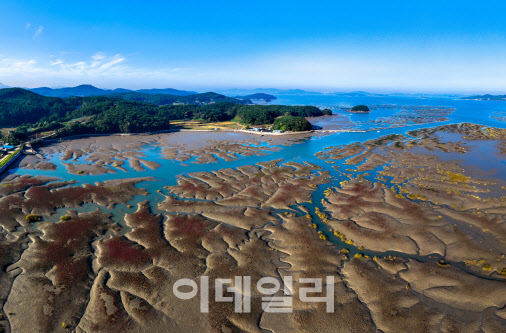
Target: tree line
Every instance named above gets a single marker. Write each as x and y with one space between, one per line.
110 114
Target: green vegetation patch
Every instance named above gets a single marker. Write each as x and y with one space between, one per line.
33 218
293 124
10 157
360 108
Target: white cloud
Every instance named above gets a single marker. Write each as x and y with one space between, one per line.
98 56
98 68
38 31
117 59
9 66
318 71
57 62
27 26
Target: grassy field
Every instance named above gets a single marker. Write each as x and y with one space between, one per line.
6 130
198 125
9 157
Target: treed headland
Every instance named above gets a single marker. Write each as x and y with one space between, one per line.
135 112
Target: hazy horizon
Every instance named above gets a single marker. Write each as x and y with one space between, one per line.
253 88
428 47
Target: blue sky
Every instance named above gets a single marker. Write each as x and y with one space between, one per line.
427 46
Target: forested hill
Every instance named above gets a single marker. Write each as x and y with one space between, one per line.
89 90
19 106
163 99
32 113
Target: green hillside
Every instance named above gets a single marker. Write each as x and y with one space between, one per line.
32 113
163 99
19 106
294 124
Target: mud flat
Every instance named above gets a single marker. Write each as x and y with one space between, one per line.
420 204
332 122
41 259
418 207
34 162
409 240
112 154
227 151
89 279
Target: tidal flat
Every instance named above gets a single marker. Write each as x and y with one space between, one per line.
410 224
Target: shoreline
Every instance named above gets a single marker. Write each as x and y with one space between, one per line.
317 131
221 130
197 130
285 135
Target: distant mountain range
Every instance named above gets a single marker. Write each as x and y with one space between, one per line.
300 92
357 94
272 91
167 91
487 97
251 94
421 95
89 90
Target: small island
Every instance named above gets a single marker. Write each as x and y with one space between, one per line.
360 109
258 97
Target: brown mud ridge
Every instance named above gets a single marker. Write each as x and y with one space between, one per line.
226 151
110 154
40 262
84 274
421 205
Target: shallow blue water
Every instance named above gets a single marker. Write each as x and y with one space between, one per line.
479 112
